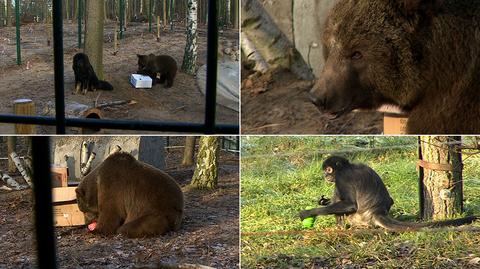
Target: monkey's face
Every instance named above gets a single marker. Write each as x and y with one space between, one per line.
329 174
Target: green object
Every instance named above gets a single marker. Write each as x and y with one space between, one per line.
308 222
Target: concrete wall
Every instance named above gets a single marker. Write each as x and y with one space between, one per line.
308 22
149 149
302 22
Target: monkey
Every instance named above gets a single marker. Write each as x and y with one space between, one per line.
360 196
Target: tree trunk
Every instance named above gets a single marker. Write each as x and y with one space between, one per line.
94 35
270 41
206 169
11 147
9 13
440 168
189 151
189 64
235 14
165 20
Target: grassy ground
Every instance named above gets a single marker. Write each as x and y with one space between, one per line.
283 175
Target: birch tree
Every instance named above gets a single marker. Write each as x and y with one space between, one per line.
94 35
206 169
190 56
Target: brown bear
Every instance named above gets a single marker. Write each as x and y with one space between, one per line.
130 197
420 55
150 65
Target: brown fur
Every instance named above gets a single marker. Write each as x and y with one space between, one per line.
151 65
422 55
129 197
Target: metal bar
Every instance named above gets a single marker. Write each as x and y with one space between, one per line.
42 186
79 21
17 30
58 65
181 127
212 54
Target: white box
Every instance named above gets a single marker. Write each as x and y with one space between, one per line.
140 81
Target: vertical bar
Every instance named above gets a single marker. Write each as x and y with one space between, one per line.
150 16
122 16
212 54
420 180
42 186
58 65
17 27
79 20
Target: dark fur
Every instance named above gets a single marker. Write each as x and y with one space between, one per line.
361 197
85 77
150 65
421 55
130 197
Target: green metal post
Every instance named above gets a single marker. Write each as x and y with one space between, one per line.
122 16
17 23
79 18
150 16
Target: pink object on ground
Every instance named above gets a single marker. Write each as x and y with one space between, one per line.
92 226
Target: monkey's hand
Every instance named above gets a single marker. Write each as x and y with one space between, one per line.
304 214
324 201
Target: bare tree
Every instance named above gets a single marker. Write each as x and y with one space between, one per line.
189 64
206 169
94 35
189 151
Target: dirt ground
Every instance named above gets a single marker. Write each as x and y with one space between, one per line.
209 234
278 104
34 79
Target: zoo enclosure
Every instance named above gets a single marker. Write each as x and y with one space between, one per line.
60 121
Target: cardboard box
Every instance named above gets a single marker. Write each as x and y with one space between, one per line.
395 124
140 81
59 176
65 208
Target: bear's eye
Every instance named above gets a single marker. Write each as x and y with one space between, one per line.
357 55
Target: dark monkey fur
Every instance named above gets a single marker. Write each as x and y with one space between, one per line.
85 77
420 55
361 197
129 197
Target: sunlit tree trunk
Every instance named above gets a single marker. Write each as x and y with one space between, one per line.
190 56
94 35
11 147
9 13
441 187
206 169
189 151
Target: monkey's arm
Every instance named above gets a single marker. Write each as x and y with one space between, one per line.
337 208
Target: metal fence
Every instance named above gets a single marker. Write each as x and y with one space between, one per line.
209 125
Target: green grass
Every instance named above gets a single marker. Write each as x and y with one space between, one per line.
283 175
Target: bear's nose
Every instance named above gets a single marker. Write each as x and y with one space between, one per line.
318 101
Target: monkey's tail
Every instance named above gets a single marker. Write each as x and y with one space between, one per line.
103 85
389 223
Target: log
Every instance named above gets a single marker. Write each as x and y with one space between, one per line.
20 168
24 107
88 166
11 182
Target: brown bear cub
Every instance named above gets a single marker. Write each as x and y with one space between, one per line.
420 55
150 65
129 197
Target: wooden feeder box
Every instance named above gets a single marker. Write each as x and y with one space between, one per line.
65 207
